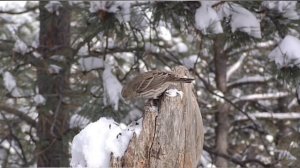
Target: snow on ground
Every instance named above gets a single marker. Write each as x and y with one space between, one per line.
93 146
207 20
287 53
90 63
112 88
286 9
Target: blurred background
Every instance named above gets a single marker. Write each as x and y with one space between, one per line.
63 65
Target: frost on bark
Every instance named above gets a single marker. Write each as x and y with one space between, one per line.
172 134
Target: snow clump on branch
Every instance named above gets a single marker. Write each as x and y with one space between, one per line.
208 19
112 88
53 7
287 53
120 8
287 9
11 84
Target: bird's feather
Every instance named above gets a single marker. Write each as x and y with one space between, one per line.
144 84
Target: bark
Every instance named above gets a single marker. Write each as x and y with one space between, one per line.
220 60
53 118
172 134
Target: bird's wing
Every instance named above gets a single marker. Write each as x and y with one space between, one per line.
144 84
153 80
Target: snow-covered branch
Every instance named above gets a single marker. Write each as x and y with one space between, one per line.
248 80
18 113
19 12
270 115
262 96
235 66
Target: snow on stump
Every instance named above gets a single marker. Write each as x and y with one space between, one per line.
172 135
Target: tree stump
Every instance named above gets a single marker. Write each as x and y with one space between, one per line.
172 134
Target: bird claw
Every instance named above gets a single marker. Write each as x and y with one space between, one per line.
174 93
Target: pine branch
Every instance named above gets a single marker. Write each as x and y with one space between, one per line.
271 116
19 114
262 96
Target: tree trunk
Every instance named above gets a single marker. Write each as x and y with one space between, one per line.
222 119
172 134
53 117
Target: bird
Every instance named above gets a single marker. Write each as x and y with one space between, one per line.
151 84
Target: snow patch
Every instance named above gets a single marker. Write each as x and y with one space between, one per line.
11 84
151 48
138 19
190 61
90 63
112 88
53 7
133 115
181 47
93 146
174 93
59 58
78 121
39 99
207 20
248 79
54 69
164 33
120 8
286 9
243 20
20 47
269 138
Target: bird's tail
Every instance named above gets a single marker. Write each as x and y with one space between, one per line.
185 80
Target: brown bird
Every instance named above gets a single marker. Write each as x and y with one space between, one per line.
150 85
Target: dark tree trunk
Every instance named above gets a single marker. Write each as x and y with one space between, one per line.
172 135
222 119
53 118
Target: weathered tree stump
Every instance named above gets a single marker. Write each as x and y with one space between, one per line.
172 134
